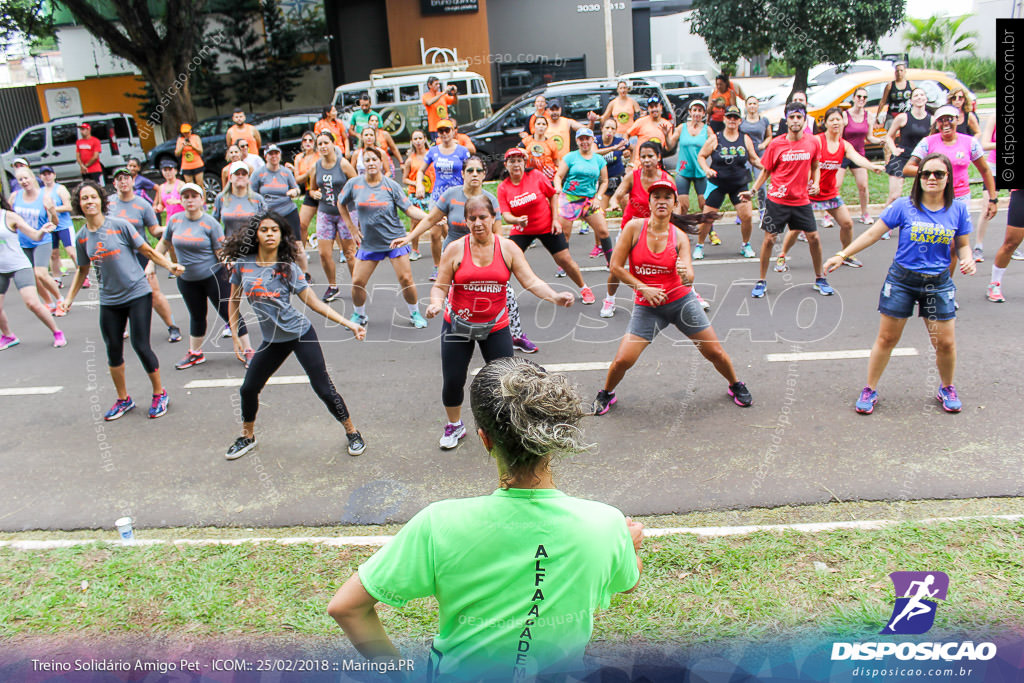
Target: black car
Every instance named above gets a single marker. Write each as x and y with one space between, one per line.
500 131
211 131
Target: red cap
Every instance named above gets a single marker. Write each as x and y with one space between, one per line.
515 152
83 124
662 185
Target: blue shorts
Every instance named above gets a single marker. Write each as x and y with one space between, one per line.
364 255
63 236
683 185
935 295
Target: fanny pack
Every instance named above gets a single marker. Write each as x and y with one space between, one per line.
460 327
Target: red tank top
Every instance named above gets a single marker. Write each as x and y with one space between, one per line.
829 163
478 294
639 205
657 270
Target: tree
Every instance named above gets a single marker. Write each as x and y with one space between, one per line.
925 35
247 53
283 67
24 18
805 32
954 41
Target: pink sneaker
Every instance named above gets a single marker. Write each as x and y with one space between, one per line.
596 251
587 295
7 342
59 340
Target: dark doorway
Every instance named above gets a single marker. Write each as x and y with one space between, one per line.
358 38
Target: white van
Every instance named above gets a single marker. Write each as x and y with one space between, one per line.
397 95
53 144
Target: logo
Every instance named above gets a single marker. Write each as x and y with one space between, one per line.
913 612
624 117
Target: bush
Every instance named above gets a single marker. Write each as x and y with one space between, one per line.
778 67
976 73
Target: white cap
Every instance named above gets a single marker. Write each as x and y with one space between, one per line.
238 166
947 110
19 160
193 187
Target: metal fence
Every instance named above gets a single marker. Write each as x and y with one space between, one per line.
19 109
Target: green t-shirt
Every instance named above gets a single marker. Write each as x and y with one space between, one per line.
517 575
360 119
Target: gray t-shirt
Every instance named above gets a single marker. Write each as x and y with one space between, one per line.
453 204
330 182
755 130
111 250
195 244
236 212
273 186
269 295
137 211
377 208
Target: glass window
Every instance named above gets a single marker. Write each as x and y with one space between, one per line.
409 93
292 127
101 129
479 86
384 95
268 129
132 127
31 141
874 94
519 117
121 127
577 106
64 134
460 86
347 99
206 127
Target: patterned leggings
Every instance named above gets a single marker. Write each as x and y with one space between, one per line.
515 326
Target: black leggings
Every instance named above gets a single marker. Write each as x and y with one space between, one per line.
112 323
195 293
269 358
455 355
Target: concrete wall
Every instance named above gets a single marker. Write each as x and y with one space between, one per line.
673 44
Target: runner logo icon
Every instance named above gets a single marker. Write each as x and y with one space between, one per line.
914 610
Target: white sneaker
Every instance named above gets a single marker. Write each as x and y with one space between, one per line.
608 308
451 436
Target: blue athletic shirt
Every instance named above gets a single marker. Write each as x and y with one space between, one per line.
584 174
616 167
926 237
447 168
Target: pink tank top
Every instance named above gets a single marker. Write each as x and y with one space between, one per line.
174 194
992 152
857 132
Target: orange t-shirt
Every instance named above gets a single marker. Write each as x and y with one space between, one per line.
623 115
463 139
415 163
541 155
730 97
533 119
559 134
337 129
644 128
303 164
246 132
436 111
190 157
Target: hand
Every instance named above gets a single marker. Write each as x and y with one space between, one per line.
591 116
359 332
289 166
237 343
684 273
419 192
432 310
564 299
48 203
49 227
316 194
899 151
150 269
836 261
653 295
400 242
967 266
177 269
990 211
877 168
357 237
293 192
812 189
64 305
711 173
636 531
745 195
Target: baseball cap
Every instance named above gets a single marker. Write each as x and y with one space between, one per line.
271 148
584 133
515 152
46 169
662 184
238 166
83 124
947 110
193 187
168 163
733 110
122 171
19 160
186 128
653 99
446 123
554 104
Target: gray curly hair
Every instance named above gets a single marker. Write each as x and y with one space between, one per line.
529 413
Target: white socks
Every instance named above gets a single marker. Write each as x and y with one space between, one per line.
997 274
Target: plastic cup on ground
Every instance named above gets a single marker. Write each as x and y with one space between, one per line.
125 530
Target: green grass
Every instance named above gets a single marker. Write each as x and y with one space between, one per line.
693 590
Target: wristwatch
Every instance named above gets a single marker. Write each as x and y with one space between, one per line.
993 201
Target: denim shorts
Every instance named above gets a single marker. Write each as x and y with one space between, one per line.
935 295
685 313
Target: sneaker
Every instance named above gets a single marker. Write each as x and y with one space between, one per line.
715 239
866 403
737 220
330 294
826 222
312 241
759 289
979 255
698 252
433 275
801 236
341 257
119 408
356 445
780 265
703 304
7 342
190 359
560 272
865 219
418 321
240 447
173 334
415 255
887 235
452 434
608 308
1017 255
57 312
604 401
86 284
740 395
584 230
596 251
359 319
524 344
159 406
170 276
995 293
59 279
852 262
822 285
59 340
950 401
226 332
249 353
587 295
747 251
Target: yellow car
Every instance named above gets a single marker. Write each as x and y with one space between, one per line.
839 93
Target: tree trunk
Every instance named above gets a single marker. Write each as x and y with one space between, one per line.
799 80
171 86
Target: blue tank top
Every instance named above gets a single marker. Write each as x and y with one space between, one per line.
689 148
63 218
34 214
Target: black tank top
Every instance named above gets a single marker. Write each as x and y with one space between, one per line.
964 128
899 99
912 132
729 159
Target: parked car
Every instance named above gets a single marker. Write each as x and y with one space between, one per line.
817 76
839 93
500 131
53 144
680 87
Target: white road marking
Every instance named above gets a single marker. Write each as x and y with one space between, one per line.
833 355
29 391
703 262
237 382
569 367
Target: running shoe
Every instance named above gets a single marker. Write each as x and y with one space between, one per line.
995 293
247 357
608 308
979 255
1017 255
560 272
524 344
359 319
356 445
950 401
312 241
698 252
341 257
887 235
584 230
226 332
59 340
740 395
240 447
715 239
7 342
86 284
330 294
703 304
865 219
747 251
173 334
801 236
418 321
159 406
60 281
866 403
737 220
604 401
433 275
852 262
415 255
780 265
826 222
759 289
587 295
191 358
57 312
596 251
170 276
119 408
452 434
823 287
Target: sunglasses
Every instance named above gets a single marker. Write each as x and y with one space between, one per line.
475 170
957 97
938 175
861 97
444 130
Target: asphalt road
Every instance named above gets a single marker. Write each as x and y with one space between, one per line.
675 442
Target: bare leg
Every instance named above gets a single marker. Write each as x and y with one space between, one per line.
745 214
941 333
766 253
326 249
117 374
360 276
154 380
403 270
629 351
861 176
842 216
564 260
32 303
890 330
814 245
707 343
